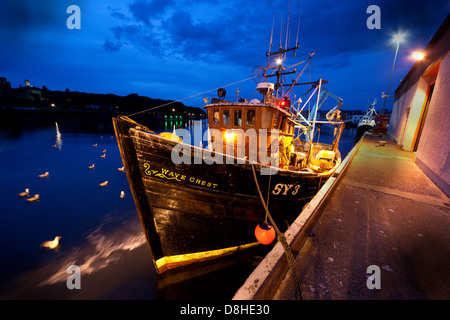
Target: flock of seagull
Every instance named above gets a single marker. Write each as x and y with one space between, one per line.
54 244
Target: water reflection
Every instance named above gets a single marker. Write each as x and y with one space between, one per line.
101 232
106 260
58 139
101 250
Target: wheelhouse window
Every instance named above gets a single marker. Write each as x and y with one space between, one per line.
216 116
266 119
238 117
226 117
277 121
251 118
290 127
283 126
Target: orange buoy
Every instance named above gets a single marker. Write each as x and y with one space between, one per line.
265 233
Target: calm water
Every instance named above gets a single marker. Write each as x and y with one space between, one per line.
101 232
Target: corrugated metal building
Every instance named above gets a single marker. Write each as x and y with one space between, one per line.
420 119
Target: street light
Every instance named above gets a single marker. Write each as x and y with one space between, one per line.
418 55
397 39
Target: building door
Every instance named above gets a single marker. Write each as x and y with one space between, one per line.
424 116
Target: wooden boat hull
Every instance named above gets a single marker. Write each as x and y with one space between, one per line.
198 212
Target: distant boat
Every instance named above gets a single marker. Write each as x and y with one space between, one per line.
367 123
51 244
44 175
103 184
26 193
34 198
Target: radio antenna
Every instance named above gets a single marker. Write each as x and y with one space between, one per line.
271 35
298 27
281 29
287 29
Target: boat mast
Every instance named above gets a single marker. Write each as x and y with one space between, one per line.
281 54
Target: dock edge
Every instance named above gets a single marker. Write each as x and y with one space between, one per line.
264 281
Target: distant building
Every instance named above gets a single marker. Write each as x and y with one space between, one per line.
5 87
420 119
354 119
28 92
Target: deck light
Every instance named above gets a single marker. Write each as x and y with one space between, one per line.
284 104
230 135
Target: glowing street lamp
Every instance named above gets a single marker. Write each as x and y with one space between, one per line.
397 39
418 55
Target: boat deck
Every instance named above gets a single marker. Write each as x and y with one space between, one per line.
382 211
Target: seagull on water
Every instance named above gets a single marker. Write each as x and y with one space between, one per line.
92 166
103 184
44 175
26 193
121 169
51 244
122 195
34 198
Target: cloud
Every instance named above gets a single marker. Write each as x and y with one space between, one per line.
191 32
111 46
146 10
237 31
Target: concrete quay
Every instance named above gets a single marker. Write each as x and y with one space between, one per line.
381 211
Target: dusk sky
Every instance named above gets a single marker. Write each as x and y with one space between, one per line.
172 49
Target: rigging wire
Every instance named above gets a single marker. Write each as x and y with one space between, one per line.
195 95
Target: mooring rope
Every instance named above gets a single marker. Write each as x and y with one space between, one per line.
282 239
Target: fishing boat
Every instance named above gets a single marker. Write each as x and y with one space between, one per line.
199 203
367 122
381 124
